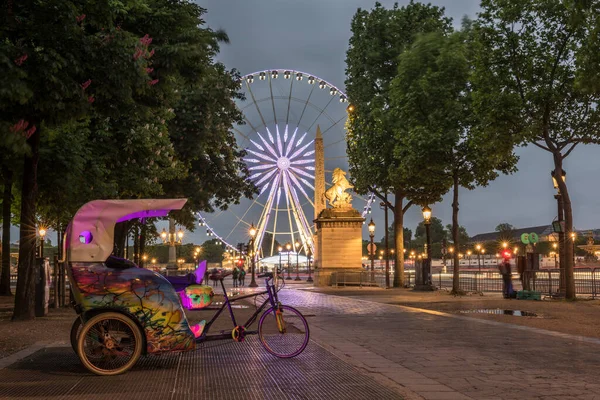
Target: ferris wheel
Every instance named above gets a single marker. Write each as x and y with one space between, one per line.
283 110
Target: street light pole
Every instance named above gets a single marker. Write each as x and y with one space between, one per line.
279 269
288 247
478 247
372 249
297 247
252 255
427 270
310 279
42 232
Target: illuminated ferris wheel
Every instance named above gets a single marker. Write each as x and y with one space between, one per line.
283 109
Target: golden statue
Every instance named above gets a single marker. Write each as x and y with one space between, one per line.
336 194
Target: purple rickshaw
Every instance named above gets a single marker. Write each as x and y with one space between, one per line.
125 311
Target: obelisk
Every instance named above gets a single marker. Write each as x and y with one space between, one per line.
319 188
319 173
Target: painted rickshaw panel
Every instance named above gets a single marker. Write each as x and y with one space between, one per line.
142 293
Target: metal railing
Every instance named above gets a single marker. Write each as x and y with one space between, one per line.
547 282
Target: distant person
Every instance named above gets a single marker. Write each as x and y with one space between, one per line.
242 277
235 275
505 271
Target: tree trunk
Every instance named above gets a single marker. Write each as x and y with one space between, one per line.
568 245
27 271
6 217
455 239
399 237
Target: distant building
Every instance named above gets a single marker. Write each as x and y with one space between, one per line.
544 232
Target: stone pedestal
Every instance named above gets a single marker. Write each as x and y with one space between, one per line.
338 243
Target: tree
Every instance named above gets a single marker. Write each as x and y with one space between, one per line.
463 237
212 251
378 38
436 230
506 231
538 80
432 96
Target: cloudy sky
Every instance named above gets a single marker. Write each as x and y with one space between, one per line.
312 36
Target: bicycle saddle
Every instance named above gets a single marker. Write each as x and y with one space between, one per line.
219 276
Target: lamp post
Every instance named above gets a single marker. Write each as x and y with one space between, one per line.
288 247
555 246
144 259
297 247
427 270
573 237
172 239
308 255
478 247
252 233
372 249
42 232
279 269
562 289
451 251
469 252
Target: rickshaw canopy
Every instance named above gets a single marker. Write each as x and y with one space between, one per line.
90 235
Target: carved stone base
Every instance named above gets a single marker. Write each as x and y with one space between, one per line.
339 242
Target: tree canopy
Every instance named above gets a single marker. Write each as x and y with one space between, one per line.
537 79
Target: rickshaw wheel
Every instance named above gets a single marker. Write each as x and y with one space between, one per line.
75 331
109 344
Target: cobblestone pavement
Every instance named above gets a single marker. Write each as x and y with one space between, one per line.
433 355
226 370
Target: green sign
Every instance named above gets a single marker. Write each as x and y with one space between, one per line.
525 238
533 238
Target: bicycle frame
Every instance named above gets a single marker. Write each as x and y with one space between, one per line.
272 300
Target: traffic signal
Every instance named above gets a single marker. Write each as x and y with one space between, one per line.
506 254
240 262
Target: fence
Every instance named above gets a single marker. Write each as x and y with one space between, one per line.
547 282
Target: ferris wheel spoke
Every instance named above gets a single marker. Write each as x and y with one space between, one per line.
255 103
291 142
287 118
289 201
302 190
272 99
306 103
321 113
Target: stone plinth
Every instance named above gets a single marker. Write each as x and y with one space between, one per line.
338 242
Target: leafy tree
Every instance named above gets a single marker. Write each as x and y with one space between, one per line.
212 251
538 80
378 37
436 230
432 95
506 231
463 237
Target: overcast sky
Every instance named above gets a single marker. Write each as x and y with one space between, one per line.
312 36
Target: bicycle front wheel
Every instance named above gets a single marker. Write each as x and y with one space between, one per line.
284 332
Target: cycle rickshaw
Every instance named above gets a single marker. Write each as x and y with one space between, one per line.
125 311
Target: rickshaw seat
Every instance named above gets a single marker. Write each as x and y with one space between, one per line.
219 276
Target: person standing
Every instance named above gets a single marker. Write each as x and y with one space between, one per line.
506 273
235 275
242 277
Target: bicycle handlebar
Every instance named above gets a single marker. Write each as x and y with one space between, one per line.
266 275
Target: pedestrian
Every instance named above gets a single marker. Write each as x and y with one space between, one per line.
506 273
235 276
242 277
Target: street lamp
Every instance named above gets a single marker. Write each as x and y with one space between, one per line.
288 247
172 239
478 247
308 255
372 249
573 237
279 269
427 221
469 252
252 233
297 248
555 246
42 232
